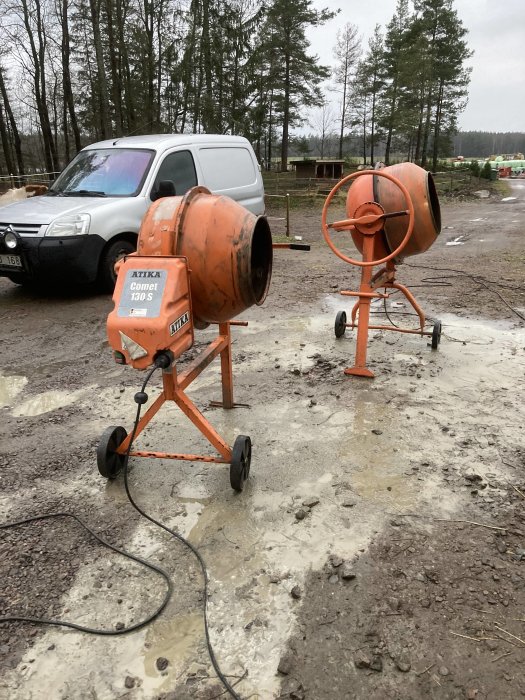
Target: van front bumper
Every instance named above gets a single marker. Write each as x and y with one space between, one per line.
71 258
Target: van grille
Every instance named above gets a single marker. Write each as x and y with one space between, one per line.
22 229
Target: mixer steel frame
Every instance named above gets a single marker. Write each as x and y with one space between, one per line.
174 385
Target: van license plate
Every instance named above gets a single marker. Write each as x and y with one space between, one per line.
10 261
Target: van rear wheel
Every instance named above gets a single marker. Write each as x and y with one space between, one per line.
114 252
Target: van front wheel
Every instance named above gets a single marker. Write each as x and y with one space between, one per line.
115 251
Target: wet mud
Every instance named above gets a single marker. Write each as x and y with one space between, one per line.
336 460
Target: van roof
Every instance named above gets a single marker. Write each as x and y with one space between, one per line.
164 141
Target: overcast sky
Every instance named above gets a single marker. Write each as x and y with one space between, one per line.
496 33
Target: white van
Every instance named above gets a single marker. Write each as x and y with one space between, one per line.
91 215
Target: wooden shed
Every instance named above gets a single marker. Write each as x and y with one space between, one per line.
322 169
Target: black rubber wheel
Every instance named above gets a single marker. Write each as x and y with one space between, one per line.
106 273
436 335
340 324
240 464
109 462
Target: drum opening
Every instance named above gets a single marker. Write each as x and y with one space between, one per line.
261 260
433 199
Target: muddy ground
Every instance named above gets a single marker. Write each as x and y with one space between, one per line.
377 550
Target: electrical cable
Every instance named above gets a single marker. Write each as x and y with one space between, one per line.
476 278
140 398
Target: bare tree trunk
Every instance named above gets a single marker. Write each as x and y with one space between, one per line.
13 125
286 114
39 78
116 82
101 82
129 114
69 101
6 146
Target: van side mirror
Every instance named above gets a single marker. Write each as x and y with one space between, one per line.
166 188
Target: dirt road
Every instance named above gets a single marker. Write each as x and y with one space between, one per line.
377 550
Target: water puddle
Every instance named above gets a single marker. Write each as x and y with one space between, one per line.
173 639
10 387
46 402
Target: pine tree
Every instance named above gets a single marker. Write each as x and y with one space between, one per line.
298 74
444 76
347 51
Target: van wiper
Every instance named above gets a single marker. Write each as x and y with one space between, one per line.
84 193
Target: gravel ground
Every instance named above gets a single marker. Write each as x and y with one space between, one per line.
335 573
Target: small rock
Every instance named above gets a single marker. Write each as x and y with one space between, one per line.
501 546
301 514
333 579
296 592
275 579
119 626
310 502
403 664
443 671
492 644
129 682
520 554
161 663
361 660
377 663
425 603
286 664
347 572
335 561
376 431
349 503
482 194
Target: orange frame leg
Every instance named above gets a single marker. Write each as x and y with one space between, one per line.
173 390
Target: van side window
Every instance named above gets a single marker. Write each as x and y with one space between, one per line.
180 168
226 168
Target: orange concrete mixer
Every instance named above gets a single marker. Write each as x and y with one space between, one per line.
393 213
201 259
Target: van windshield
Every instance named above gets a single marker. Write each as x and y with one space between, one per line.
104 172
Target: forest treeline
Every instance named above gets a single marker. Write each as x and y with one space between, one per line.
77 71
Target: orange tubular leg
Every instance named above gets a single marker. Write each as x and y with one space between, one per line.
408 294
366 294
226 367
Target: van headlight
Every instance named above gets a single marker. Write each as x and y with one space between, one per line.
73 225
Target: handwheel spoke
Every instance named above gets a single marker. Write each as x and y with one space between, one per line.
393 214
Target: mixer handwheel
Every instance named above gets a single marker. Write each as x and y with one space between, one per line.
240 464
340 324
108 460
436 335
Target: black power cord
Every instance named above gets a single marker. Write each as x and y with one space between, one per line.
162 362
475 278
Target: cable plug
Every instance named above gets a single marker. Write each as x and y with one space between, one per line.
163 360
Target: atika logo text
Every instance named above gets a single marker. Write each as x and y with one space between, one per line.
145 273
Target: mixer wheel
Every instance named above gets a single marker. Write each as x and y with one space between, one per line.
109 462
240 464
436 335
340 324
